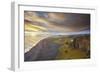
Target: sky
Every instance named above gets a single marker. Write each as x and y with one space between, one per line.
56 21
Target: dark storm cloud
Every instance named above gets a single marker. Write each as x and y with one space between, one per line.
77 20
71 20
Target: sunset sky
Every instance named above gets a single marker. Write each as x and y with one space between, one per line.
56 22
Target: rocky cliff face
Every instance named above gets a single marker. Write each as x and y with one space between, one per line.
60 48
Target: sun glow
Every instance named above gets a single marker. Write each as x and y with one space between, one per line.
31 27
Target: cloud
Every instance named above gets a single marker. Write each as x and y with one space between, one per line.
52 21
